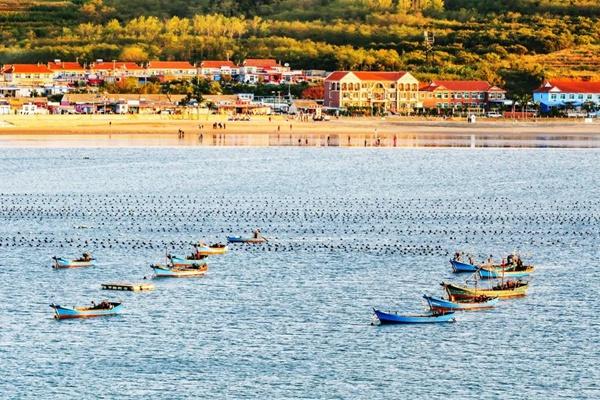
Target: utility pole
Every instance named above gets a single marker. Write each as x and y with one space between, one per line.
428 42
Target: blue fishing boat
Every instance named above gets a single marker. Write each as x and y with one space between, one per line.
242 239
103 309
194 259
459 266
61 263
428 318
437 304
499 272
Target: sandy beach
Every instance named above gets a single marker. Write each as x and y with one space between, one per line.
162 130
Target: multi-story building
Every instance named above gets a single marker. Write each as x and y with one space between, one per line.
171 70
216 70
32 75
267 70
67 72
114 71
460 95
24 80
563 93
373 90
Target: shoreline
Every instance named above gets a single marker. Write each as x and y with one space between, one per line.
157 130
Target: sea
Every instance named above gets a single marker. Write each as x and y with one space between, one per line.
349 230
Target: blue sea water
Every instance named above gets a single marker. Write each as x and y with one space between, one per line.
349 229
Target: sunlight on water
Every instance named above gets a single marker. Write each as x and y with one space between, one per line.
349 229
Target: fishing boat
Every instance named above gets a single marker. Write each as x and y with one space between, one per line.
61 263
503 290
427 318
203 249
459 266
103 309
439 304
171 271
188 261
496 272
242 239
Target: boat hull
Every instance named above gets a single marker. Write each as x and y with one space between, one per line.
458 266
175 272
72 313
240 239
494 273
184 262
63 263
437 304
391 318
211 251
461 292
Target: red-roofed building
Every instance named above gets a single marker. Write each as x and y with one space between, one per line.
563 93
376 91
30 75
170 70
267 70
215 69
460 94
112 71
67 72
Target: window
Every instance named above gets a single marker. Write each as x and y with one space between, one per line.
445 95
553 97
589 96
563 96
414 87
457 95
343 86
401 86
466 95
571 96
580 97
438 95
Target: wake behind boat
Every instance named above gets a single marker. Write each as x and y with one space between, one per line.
103 309
427 318
85 260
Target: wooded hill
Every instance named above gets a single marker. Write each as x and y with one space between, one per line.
510 42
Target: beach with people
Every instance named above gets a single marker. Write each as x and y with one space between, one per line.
286 131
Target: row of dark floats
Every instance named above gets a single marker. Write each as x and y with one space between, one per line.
504 281
193 265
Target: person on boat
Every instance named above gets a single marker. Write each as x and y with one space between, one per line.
86 257
490 260
471 261
457 256
256 233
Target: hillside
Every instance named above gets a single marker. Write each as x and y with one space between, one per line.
515 42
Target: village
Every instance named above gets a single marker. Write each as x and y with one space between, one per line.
70 87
